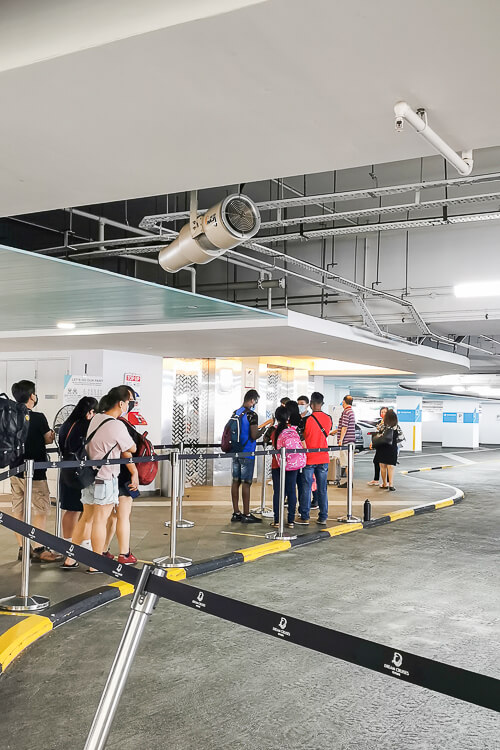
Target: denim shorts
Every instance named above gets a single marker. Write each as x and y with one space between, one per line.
102 493
243 469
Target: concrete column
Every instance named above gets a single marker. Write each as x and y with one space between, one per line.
460 424
409 409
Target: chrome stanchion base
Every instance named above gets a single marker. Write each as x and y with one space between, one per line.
173 562
24 603
349 519
274 535
264 512
182 524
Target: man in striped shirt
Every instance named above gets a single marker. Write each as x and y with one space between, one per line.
346 432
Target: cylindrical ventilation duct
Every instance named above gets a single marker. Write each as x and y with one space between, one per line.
226 225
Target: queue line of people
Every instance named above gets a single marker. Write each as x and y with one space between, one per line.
93 515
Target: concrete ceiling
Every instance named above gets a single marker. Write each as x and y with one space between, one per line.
271 89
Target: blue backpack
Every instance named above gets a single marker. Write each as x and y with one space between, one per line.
236 433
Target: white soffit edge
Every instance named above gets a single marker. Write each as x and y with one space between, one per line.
287 336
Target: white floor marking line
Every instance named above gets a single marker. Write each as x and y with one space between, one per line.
460 459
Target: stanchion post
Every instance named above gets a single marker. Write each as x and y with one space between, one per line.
280 534
58 527
171 560
349 518
141 608
262 510
24 602
182 523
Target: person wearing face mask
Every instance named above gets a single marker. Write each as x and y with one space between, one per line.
119 520
108 437
39 436
243 468
71 437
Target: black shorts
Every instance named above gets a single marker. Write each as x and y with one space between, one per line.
70 498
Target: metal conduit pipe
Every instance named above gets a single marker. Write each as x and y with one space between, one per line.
108 222
192 271
361 290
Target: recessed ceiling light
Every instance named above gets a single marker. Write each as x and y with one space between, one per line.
478 289
192 307
323 342
66 326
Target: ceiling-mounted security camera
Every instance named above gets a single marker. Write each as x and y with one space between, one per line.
206 237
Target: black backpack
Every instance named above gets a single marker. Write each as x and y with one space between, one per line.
81 477
14 425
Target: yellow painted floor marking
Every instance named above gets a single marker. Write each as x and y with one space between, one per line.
19 636
260 550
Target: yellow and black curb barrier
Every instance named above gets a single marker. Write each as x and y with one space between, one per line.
30 627
431 468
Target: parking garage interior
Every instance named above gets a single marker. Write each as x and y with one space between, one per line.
202 201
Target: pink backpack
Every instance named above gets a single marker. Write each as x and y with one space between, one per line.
289 439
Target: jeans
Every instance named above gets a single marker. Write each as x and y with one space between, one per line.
290 493
320 471
243 469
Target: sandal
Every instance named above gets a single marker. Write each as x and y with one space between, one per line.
70 567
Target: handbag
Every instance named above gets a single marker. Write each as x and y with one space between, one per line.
385 437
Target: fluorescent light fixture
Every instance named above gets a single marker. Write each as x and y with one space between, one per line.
66 326
478 289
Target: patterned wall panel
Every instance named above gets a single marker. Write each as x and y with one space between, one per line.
190 412
274 391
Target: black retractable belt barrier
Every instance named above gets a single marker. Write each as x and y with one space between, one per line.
462 684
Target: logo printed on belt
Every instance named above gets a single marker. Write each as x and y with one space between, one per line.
198 602
395 666
69 553
117 571
397 659
1 517
281 630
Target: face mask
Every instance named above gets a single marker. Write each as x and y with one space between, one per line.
302 408
124 413
131 405
36 401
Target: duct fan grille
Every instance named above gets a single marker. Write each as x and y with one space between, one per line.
240 215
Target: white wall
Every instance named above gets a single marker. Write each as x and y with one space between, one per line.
116 364
489 423
432 424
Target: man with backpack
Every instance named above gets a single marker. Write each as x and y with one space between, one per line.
316 430
244 431
39 436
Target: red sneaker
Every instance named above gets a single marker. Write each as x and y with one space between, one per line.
129 559
108 555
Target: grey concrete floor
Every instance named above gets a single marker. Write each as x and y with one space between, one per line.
213 533
428 585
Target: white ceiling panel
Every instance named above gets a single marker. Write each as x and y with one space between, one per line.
277 88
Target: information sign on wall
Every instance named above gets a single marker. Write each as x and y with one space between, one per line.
78 386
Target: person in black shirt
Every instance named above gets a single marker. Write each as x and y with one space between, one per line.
39 436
